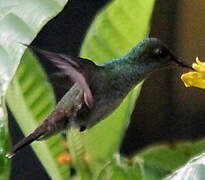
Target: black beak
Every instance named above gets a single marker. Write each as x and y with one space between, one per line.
178 62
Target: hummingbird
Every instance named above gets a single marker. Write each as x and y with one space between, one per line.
97 90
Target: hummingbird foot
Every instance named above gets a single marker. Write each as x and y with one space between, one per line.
82 128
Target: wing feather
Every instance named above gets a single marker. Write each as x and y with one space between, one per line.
72 67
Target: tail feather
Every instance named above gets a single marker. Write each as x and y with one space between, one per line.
25 141
58 120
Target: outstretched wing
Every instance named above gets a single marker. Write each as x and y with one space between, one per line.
72 67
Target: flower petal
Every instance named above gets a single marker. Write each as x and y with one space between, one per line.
195 79
199 66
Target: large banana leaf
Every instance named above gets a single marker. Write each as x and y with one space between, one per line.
118 27
30 98
20 21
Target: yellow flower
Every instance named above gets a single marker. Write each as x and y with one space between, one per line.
195 78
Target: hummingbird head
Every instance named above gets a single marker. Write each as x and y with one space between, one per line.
154 55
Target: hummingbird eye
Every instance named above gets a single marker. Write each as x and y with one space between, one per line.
160 53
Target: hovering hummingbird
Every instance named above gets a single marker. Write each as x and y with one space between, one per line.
98 90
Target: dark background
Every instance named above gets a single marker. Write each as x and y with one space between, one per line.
165 110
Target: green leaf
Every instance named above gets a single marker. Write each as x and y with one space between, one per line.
30 98
114 170
78 154
117 173
115 30
193 170
166 157
161 160
20 21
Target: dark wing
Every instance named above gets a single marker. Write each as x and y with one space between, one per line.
60 80
72 67
61 84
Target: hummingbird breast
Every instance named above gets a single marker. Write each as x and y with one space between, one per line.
107 95
102 107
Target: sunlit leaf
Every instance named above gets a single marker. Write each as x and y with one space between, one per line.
20 21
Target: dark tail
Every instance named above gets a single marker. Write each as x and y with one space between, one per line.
25 141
